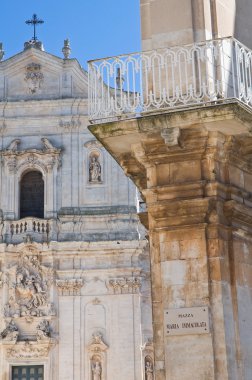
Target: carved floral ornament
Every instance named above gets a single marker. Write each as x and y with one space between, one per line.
45 159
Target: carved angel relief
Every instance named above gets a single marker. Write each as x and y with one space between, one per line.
29 284
33 77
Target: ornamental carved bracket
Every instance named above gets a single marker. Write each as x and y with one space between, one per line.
171 137
69 286
46 158
124 285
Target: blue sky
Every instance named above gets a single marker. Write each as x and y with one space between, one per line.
96 28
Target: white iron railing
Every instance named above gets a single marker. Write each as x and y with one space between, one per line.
131 85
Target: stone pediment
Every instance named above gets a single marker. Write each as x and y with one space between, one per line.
35 74
45 158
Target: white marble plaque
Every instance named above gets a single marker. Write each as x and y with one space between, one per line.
183 321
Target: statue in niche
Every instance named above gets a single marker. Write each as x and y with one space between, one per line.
29 281
148 370
96 370
94 168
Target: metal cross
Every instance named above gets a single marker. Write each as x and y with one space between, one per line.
34 21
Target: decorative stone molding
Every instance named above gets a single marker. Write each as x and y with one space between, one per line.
46 159
93 144
124 285
28 350
69 124
33 77
69 286
96 301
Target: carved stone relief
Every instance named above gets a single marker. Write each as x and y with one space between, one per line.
28 350
33 77
70 286
124 285
29 284
10 333
171 137
43 330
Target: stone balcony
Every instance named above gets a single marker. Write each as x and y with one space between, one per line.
31 228
129 86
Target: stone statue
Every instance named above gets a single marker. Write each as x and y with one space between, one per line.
10 332
43 330
94 169
47 144
13 145
96 371
149 371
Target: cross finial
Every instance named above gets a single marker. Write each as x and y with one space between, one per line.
34 21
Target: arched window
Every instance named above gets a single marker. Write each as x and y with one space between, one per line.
32 195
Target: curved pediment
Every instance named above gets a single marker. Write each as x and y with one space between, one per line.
34 74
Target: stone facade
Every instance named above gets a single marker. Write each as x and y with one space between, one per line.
192 165
193 169
74 285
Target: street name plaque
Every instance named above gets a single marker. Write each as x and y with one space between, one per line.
193 320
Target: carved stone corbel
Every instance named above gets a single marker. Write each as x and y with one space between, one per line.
171 137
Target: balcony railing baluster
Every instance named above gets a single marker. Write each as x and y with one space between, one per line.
130 85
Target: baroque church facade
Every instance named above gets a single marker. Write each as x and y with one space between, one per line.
74 262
